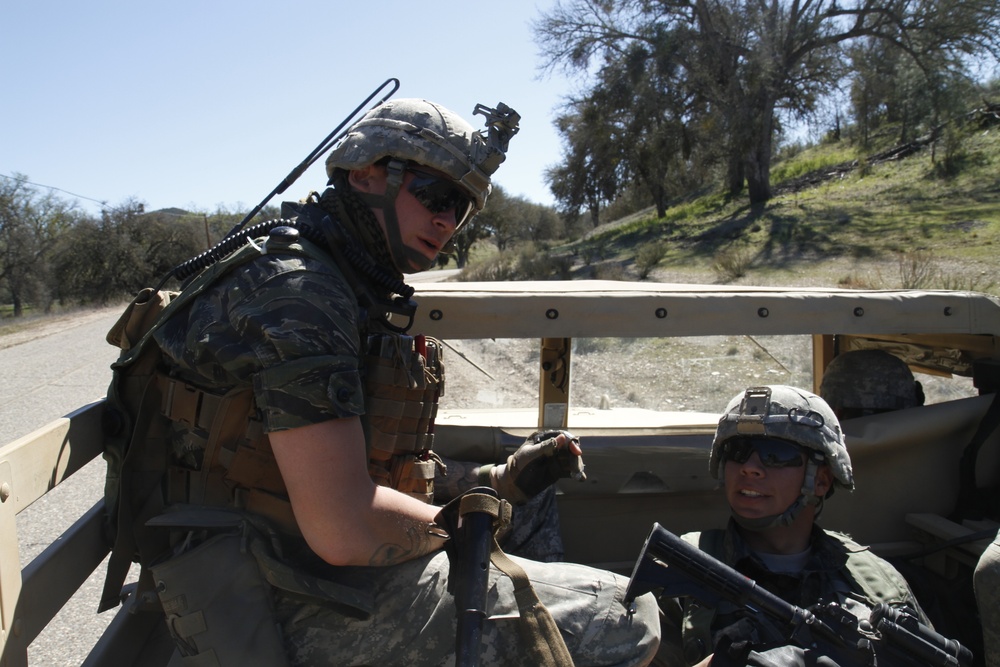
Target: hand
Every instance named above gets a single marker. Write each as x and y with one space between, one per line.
470 528
449 518
544 458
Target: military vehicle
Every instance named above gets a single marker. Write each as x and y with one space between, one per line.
641 373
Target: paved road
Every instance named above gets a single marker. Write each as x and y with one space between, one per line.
47 372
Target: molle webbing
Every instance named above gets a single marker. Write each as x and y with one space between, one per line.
404 377
238 468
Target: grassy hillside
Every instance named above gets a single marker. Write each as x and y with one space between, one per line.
836 219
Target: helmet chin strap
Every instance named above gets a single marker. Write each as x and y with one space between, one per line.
407 260
807 497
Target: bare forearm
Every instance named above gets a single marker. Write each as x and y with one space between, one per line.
402 533
381 527
344 517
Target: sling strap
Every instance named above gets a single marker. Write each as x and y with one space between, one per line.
538 629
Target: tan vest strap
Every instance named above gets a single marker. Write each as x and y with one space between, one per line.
187 404
539 631
185 626
222 420
275 508
238 467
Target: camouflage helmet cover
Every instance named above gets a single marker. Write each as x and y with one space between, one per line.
788 413
869 379
429 134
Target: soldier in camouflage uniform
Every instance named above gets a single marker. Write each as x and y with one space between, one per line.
867 382
780 452
987 586
333 465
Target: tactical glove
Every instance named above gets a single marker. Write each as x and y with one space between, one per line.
535 466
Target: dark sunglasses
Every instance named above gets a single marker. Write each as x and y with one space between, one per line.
773 453
439 194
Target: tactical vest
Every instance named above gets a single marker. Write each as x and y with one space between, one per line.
147 409
404 378
869 575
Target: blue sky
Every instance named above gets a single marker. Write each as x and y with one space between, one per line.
202 103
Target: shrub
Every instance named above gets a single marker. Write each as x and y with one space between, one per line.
524 263
732 263
916 269
610 271
498 267
649 256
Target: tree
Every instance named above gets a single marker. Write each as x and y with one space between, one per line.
125 250
474 231
588 175
747 61
29 225
507 220
652 114
545 223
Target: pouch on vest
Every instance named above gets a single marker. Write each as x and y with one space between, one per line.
217 590
131 416
218 607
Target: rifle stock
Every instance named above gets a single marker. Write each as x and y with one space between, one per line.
472 584
675 568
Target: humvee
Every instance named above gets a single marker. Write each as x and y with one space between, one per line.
640 372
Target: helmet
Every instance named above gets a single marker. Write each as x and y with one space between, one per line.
788 413
792 414
412 130
420 131
870 380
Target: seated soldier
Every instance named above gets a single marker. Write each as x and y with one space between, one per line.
780 453
280 500
860 383
868 382
987 585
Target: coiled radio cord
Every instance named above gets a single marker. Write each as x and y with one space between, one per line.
358 258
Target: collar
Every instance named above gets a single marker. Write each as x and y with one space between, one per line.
826 553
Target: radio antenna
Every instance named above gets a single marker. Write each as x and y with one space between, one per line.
317 152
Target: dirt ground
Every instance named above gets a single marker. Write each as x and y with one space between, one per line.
679 374
691 374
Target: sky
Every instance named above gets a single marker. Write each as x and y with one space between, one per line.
202 104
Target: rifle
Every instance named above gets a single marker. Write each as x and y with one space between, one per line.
889 637
470 571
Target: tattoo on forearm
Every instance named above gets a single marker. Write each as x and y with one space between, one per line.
421 538
461 476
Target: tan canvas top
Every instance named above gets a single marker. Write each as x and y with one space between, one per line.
566 309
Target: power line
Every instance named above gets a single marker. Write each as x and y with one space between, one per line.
104 204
